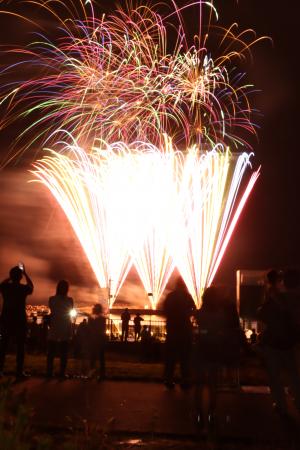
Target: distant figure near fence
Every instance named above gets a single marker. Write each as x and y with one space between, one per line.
178 308
13 316
137 326
33 335
125 317
82 347
97 340
60 329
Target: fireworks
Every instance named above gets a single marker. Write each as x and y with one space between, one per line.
113 78
154 207
112 84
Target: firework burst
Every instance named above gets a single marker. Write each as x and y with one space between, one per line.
114 78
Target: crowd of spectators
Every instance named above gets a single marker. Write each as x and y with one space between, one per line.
202 341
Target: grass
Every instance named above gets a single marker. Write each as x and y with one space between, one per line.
128 366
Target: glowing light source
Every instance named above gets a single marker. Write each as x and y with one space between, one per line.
73 313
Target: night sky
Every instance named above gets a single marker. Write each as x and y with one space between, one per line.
34 230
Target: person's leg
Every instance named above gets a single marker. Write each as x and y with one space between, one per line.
126 334
102 361
51 346
93 356
291 367
5 337
20 353
170 363
212 388
273 360
64 345
199 393
185 356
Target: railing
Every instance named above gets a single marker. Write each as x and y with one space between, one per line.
155 328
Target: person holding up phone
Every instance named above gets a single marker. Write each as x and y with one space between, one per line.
13 320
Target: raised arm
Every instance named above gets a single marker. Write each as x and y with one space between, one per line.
4 281
28 281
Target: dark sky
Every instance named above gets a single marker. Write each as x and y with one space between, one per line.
33 228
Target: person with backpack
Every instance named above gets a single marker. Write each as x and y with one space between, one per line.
279 338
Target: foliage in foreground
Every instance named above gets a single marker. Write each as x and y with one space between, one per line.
18 433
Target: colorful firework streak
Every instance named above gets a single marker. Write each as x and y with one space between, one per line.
113 83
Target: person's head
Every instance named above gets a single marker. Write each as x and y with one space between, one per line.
15 274
291 279
62 287
97 309
274 278
211 298
180 284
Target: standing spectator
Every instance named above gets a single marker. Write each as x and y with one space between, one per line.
146 343
279 338
82 346
13 316
33 334
253 337
291 280
60 330
178 308
137 326
44 329
97 334
125 317
218 345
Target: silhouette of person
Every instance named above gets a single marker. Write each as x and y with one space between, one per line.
44 332
279 338
125 317
60 329
291 280
253 337
97 333
137 326
146 343
13 316
83 344
218 344
145 334
33 334
178 308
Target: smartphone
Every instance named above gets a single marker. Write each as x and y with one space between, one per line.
21 266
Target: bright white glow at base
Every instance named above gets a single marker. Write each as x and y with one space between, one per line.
73 313
154 208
